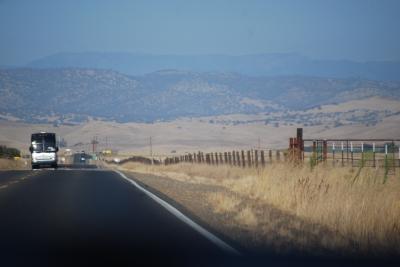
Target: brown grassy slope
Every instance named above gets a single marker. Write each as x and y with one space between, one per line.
9 164
219 133
364 209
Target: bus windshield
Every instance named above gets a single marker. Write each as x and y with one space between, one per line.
43 142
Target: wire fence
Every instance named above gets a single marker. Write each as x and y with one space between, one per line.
353 152
337 152
240 158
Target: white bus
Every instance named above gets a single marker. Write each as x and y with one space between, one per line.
43 150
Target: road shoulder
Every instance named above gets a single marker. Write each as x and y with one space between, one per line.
271 234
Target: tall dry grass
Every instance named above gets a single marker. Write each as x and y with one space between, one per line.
364 209
357 203
10 164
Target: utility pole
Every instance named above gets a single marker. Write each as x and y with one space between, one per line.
151 151
94 143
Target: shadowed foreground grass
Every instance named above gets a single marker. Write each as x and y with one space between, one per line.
360 204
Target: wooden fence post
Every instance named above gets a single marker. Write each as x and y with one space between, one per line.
262 158
291 147
351 150
393 157
216 158
234 158
278 155
325 150
342 147
362 154
243 160
314 151
256 158
300 144
373 153
248 158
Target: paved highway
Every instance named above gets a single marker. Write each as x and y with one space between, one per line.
93 216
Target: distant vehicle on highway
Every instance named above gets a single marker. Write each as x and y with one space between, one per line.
83 157
43 150
67 152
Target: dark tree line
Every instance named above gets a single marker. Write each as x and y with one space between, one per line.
9 152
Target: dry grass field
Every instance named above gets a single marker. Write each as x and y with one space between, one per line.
10 164
221 133
363 209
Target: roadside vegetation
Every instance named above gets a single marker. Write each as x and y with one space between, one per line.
360 205
11 164
10 159
9 152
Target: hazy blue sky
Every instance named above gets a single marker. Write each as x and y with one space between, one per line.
358 30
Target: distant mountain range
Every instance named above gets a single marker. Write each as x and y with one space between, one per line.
251 65
74 94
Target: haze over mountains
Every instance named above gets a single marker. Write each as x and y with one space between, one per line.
277 64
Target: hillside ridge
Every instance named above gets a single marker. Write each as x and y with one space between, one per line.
75 94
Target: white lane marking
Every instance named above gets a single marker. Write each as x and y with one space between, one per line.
217 241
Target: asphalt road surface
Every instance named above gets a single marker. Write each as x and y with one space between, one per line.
92 216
